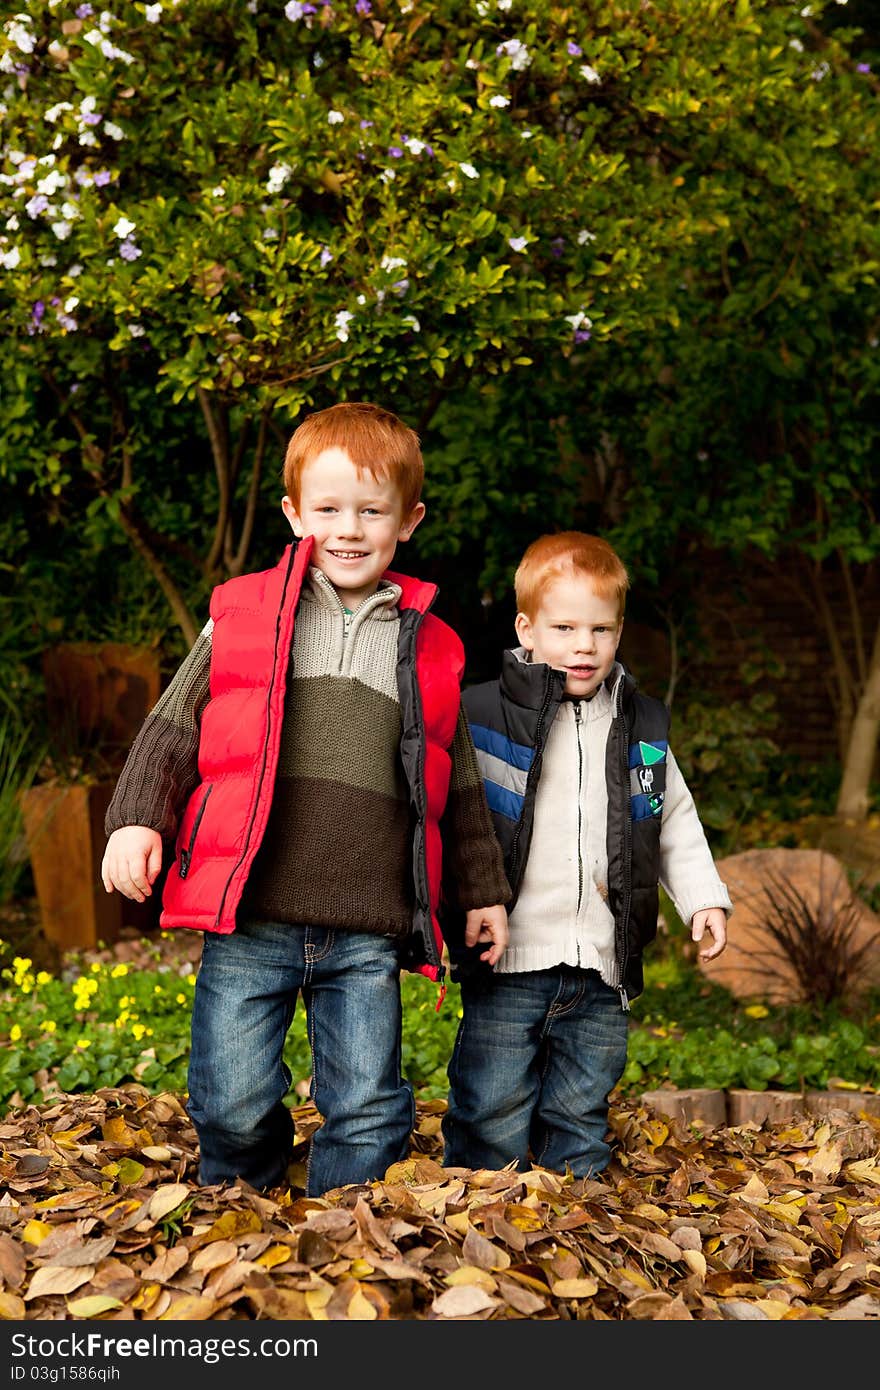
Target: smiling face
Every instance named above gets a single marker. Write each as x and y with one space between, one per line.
575 630
356 520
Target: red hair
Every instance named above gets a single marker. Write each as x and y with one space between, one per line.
569 552
374 439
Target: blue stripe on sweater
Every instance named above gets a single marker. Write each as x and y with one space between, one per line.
503 802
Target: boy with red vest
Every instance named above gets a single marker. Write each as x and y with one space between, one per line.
302 760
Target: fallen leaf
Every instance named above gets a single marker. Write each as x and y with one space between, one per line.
462 1301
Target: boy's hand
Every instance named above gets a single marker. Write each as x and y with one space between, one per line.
487 924
132 861
713 920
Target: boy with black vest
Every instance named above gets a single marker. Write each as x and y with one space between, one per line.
592 812
311 764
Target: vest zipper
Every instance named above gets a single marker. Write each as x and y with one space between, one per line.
186 854
262 770
580 832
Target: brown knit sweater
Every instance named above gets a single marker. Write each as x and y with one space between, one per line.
336 851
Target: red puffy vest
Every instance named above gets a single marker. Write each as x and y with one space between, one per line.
226 816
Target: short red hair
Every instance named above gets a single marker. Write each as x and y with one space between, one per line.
569 552
374 439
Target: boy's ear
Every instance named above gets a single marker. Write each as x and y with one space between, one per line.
292 515
407 527
524 631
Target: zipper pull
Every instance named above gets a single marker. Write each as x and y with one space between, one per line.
577 712
624 1002
184 863
440 997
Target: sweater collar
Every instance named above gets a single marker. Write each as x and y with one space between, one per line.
382 605
524 681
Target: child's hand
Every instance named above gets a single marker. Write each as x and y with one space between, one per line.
132 861
713 920
487 924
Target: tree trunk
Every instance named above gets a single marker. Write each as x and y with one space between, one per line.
852 800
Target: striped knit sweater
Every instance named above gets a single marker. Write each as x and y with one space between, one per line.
336 851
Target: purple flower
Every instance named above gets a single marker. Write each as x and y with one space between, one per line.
38 311
863 67
365 125
128 251
54 300
581 335
574 49
102 178
395 152
326 256
363 7
429 151
557 246
91 118
83 11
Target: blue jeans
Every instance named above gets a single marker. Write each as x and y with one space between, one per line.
245 997
535 1058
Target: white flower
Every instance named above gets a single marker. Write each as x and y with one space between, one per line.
414 146
584 236
589 74
74 271
51 183
270 234
806 11
233 317
821 71
70 211
393 263
113 130
482 8
124 227
87 137
62 230
517 243
55 111
410 321
70 304
335 118
19 35
94 37
12 223
469 171
361 299
293 11
499 100
278 176
218 192
48 260
342 320
387 175
516 51
579 320
137 330
10 259
525 135
153 13
796 45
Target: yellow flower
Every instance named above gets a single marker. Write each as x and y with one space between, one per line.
83 1043
123 1018
157 989
14 1033
190 979
756 1011
96 967
180 998
48 1025
138 1031
43 977
118 971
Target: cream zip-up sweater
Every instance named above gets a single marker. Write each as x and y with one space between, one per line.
561 915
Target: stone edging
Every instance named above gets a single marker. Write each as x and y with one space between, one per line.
740 1107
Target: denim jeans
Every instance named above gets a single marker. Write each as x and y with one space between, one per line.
245 997
536 1056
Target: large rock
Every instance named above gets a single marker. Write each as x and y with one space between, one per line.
808 892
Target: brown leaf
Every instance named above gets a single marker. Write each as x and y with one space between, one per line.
12 1308
12 1262
165 1199
83 1252
462 1301
189 1308
168 1263
479 1251
58 1279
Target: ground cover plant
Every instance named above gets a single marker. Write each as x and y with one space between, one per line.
101 1022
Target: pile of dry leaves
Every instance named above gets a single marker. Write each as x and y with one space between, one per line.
101 1218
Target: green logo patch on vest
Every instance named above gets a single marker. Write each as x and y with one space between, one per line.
650 753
